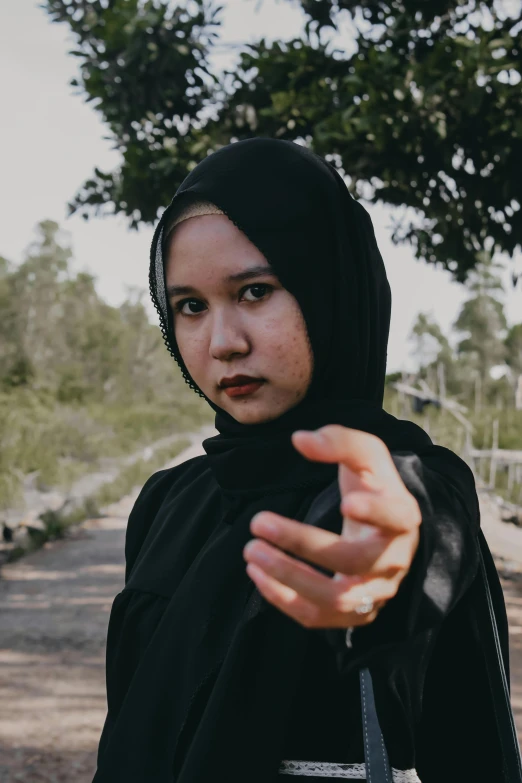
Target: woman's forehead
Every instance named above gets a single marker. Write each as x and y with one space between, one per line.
210 238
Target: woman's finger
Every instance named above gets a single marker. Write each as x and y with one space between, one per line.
300 577
284 598
361 452
323 548
340 614
396 514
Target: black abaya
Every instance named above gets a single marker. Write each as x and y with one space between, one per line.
208 681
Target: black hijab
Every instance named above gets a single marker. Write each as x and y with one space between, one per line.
295 207
297 210
209 697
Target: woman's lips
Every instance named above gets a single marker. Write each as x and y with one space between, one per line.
241 391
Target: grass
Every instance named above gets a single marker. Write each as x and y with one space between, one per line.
60 443
136 474
56 524
446 431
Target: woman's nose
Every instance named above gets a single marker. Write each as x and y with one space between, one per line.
227 337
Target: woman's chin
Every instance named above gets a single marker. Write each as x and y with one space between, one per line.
244 416
262 406
254 411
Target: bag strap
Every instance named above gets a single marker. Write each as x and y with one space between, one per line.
376 759
378 768
375 755
499 687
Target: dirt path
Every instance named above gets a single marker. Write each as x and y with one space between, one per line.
54 610
513 596
55 607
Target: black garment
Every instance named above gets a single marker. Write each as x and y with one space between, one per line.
142 651
205 677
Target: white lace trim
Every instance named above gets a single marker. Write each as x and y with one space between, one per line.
325 769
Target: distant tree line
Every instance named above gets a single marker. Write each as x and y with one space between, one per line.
484 341
58 337
81 381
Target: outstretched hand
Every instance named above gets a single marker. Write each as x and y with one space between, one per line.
379 538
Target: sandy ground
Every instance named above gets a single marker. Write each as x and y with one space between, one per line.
55 607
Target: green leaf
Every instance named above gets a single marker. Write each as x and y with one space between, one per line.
463 41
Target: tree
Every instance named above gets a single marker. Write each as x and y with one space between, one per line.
432 349
514 348
32 305
58 337
425 112
513 345
431 345
483 320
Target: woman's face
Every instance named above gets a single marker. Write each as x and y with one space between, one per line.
245 326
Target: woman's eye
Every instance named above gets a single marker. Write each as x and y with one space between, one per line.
180 305
262 289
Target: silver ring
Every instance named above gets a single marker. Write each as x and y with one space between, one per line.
366 605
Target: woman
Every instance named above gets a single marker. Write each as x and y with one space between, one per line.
222 665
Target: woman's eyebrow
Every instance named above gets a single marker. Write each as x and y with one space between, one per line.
253 271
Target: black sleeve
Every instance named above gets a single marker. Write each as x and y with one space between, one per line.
134 614
147 505
134 617
444 567
141 517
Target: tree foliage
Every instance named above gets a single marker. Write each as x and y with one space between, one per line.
425 112
57 335
144 66
484 340
482 317
80 380
513 344
431 344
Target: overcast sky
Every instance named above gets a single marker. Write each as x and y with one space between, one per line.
51 140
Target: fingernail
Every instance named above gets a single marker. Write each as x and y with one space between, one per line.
318 435
263 525
254 572
259 556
